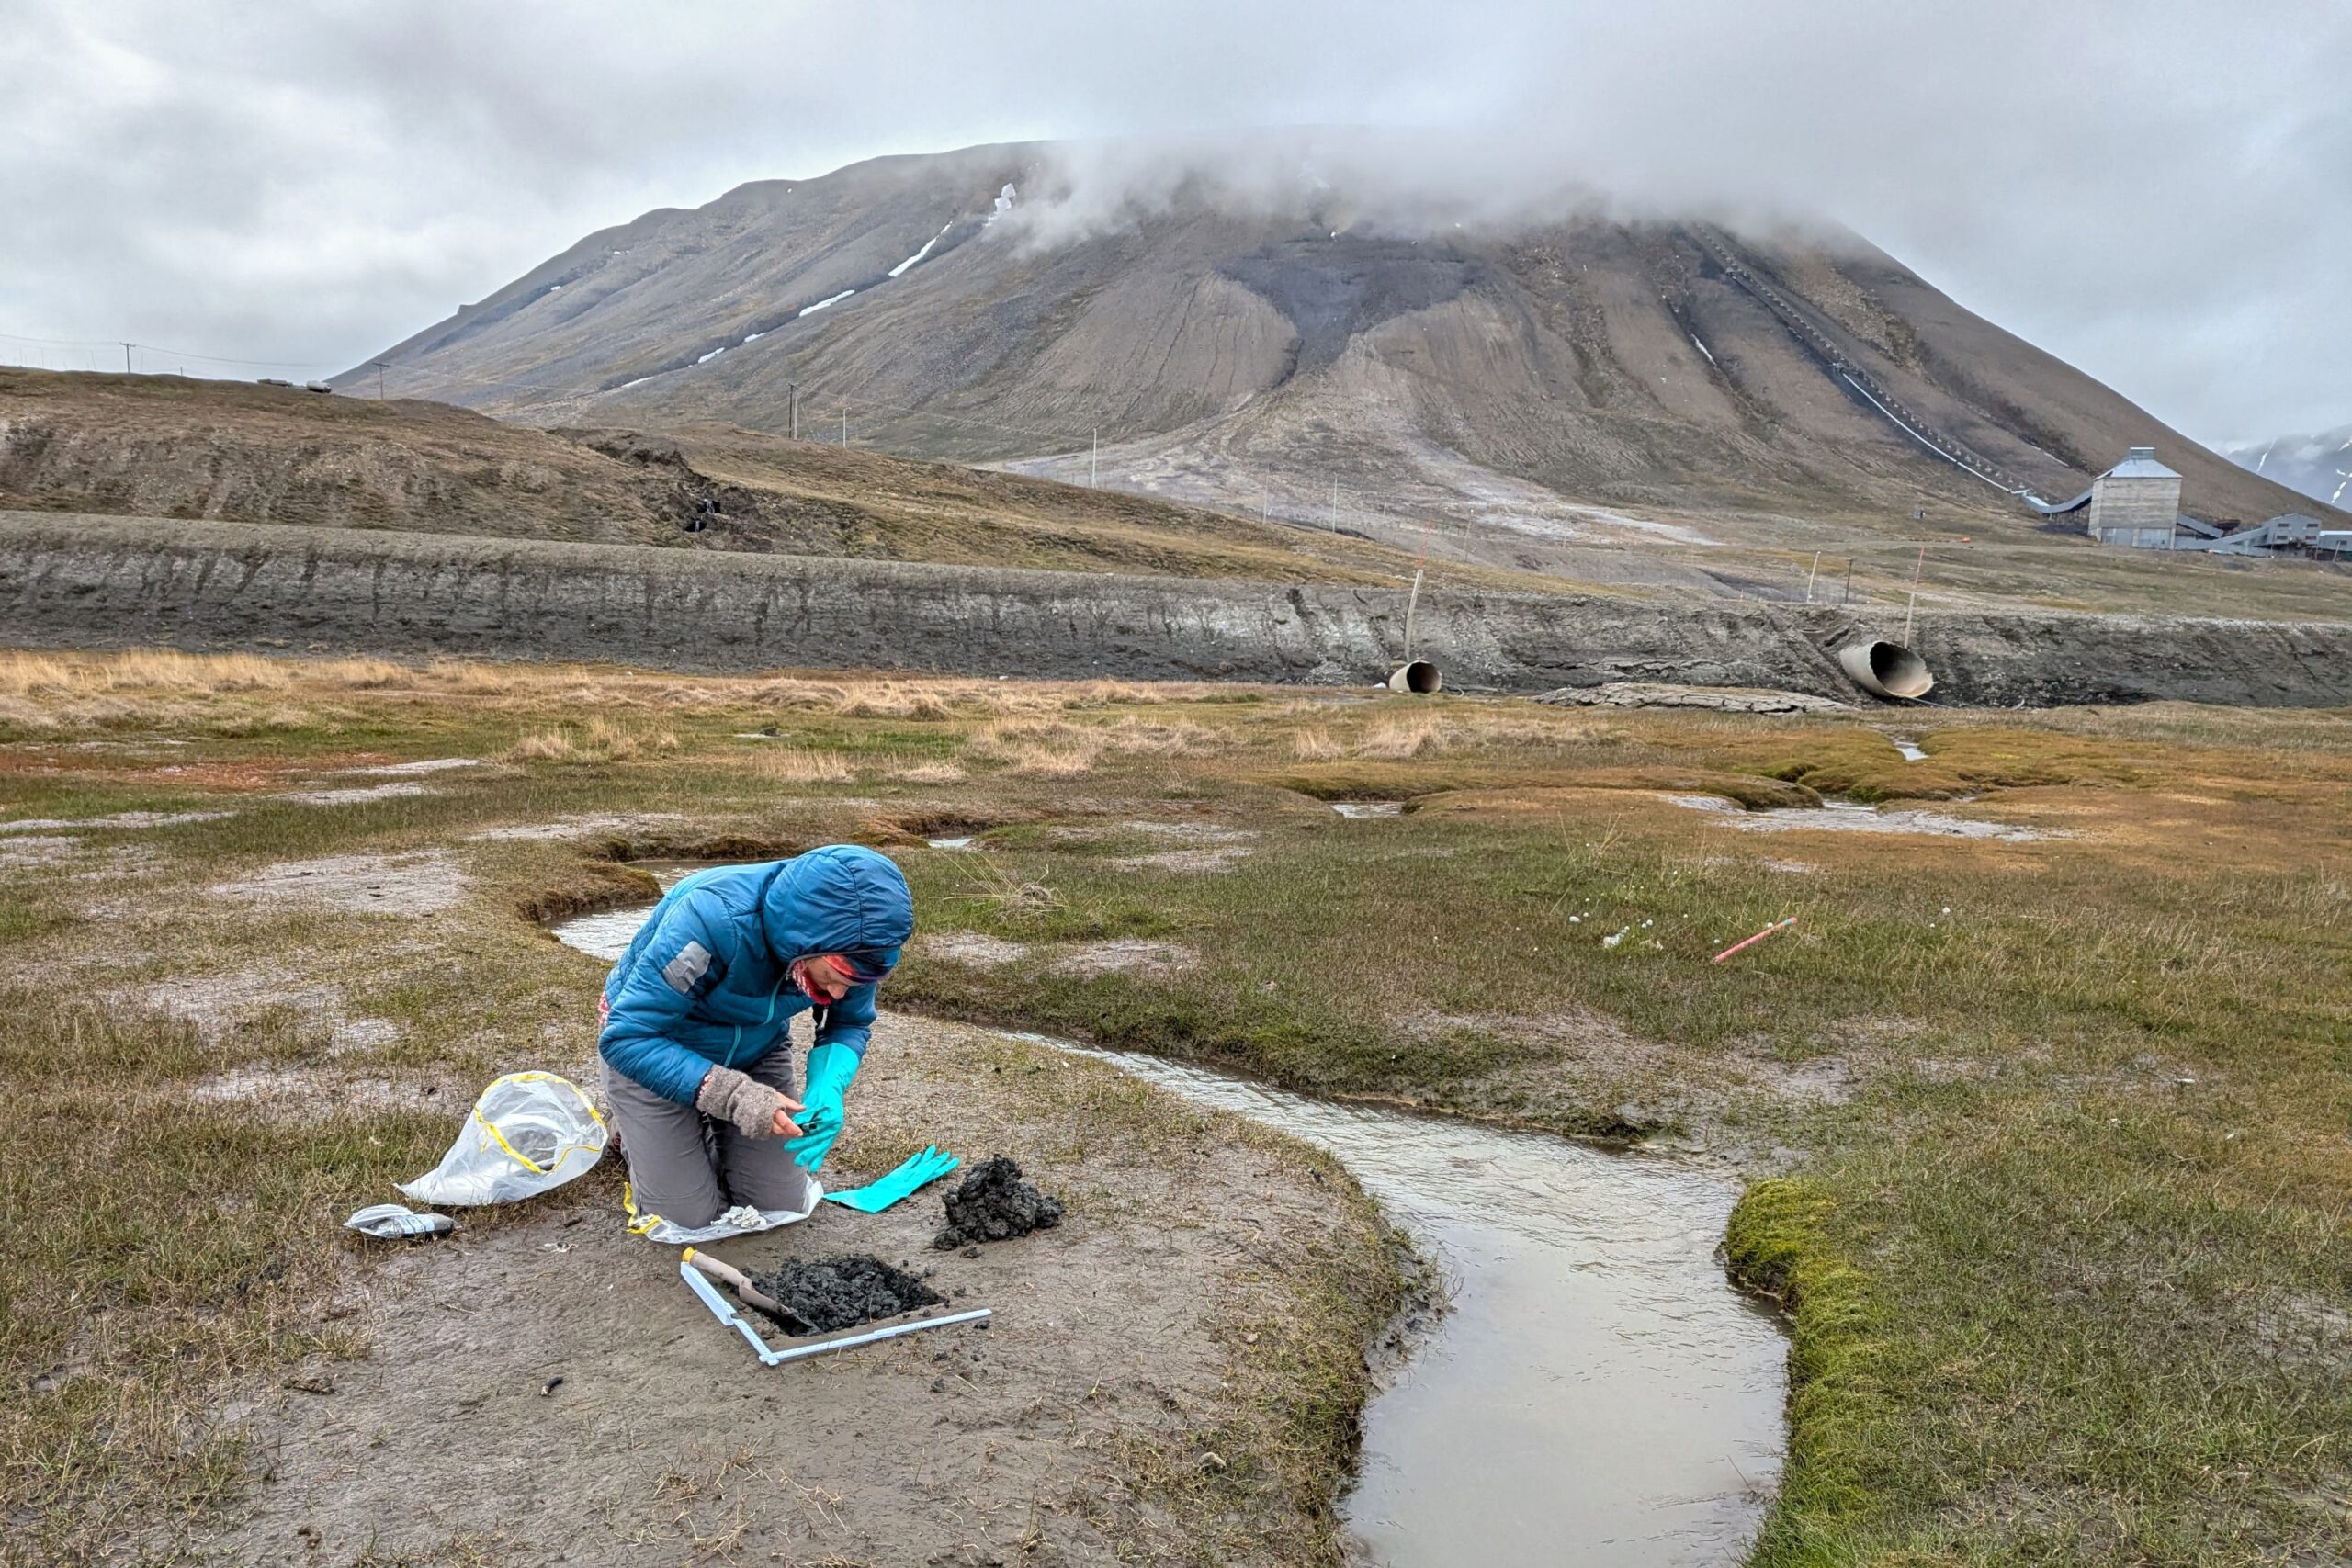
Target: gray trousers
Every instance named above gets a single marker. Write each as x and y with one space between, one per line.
690 1168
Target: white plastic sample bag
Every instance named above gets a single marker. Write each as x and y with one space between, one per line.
741 1220
529 1134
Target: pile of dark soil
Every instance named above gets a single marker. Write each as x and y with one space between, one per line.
843 1291
994 1204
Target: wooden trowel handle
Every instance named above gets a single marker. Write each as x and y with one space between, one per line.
735 1280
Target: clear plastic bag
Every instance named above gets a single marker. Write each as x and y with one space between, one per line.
529 1134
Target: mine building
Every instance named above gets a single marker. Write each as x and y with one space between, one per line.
2135 503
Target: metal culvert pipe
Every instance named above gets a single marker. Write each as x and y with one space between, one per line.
1420 676
1886 670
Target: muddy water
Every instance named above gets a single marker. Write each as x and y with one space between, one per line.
1599 1394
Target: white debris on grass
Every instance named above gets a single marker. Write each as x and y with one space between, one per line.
820 304
926 248
1363 809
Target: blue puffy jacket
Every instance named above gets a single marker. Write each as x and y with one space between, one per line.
708 978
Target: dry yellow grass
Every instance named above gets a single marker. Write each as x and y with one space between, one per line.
800 765
931 774
598 740
1060 748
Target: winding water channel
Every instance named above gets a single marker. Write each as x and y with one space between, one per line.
1599 1394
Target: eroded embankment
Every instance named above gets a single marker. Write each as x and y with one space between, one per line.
68 580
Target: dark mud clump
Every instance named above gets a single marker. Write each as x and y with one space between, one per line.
841 1292
994 1204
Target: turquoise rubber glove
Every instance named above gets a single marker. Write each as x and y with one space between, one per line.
916 1174
831 1067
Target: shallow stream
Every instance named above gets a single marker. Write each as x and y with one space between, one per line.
1599 1394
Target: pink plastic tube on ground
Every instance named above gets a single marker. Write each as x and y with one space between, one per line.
1751 942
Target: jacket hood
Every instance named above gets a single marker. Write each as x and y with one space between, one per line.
842 898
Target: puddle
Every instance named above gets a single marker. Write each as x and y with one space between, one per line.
1850 816
964 843
1599 1394
1910 749
1361 808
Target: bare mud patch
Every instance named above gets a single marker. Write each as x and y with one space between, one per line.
423 883
1110 956
1120 955
220 1004
960 1446
974 950
1846 819
1212 862
298 1092
119 820
410 769
356 794
581 827
21 853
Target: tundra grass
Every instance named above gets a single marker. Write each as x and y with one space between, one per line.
2048 1135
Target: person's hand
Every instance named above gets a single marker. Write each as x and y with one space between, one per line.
831 1069
752 1108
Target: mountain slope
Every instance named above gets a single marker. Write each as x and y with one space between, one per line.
1543 394
162 446
2318 466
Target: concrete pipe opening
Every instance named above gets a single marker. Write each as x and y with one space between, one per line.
1420 676
1887 670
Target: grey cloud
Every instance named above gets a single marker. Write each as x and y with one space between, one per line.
2154 191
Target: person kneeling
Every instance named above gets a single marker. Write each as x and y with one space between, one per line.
697 1026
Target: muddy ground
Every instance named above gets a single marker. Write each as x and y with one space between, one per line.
667 1441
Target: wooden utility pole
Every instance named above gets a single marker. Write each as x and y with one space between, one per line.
379 378
1913 608
795 410
126 358
1094 462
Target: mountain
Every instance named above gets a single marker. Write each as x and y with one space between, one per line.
2318 466
1565 392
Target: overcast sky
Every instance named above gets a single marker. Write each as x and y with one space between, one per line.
2159 192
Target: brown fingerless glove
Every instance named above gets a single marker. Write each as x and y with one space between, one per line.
734 1097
